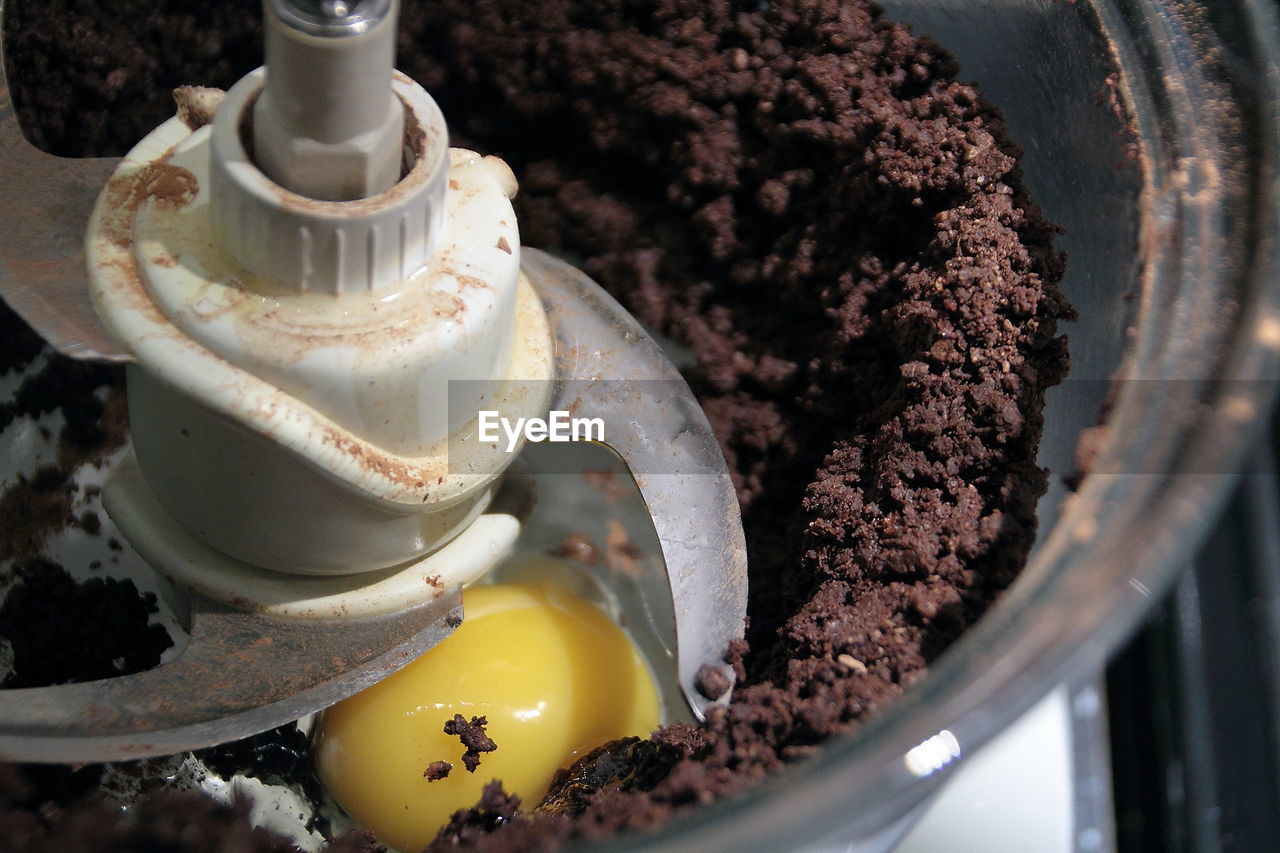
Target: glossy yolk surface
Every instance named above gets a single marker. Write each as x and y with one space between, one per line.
553 675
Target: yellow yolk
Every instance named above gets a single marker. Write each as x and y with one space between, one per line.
553 675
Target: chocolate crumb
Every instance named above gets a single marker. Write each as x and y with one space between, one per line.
90 522
437 770
473 737
712 682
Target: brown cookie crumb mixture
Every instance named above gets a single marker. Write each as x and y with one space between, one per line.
495 809
62 631
629 764
92 79
805 196
801 193
167 821
471 733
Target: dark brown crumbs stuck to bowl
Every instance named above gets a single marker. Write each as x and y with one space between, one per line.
805 196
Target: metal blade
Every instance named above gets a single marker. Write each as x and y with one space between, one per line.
607 366
45 202
241 673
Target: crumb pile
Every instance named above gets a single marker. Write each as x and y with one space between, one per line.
62 631
806 197
34 822
803 194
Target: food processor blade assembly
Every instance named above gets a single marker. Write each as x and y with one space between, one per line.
326 312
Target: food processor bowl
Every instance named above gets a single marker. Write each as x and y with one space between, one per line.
1150 134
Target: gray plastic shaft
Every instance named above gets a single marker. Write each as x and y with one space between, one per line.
327 125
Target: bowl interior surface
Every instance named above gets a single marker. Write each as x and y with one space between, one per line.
1163 178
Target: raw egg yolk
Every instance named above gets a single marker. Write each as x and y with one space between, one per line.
554 677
